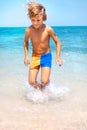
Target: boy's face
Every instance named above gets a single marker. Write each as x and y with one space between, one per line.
37 21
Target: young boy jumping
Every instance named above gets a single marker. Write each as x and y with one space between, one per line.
39 34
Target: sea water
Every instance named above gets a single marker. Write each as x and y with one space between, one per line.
14 74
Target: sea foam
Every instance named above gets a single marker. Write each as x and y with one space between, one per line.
50 92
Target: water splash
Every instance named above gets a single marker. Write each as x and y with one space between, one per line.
50 92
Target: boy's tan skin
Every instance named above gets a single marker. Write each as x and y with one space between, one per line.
40 34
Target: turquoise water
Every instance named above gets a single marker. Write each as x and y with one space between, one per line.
74 55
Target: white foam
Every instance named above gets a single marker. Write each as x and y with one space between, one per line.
50 92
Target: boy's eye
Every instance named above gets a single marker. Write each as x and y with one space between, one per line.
33 20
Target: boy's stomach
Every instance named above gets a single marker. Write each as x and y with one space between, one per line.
41 51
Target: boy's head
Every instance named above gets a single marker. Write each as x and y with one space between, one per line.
36 9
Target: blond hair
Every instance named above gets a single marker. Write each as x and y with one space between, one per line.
36 9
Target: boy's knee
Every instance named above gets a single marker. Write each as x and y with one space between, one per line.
31 82
45 81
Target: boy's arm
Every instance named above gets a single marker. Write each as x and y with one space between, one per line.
58 46
26 59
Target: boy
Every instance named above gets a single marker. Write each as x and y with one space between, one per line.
39 34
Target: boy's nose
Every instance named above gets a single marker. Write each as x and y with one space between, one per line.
35 23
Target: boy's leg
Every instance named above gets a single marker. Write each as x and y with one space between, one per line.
33 77
45 75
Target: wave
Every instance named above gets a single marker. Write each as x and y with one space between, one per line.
50 92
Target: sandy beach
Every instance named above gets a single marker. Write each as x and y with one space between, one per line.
68 112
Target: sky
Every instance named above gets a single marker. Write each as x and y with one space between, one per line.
59 12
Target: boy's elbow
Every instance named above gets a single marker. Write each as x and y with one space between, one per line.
25 43
58 43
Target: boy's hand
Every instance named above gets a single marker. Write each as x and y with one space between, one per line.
58 60
26 61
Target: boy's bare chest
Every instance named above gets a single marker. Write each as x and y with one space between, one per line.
39 36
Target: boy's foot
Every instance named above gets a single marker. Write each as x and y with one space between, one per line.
37 85
42 86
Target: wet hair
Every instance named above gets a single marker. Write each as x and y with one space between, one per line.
36 9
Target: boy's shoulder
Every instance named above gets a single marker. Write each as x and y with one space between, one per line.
49 28
28 28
